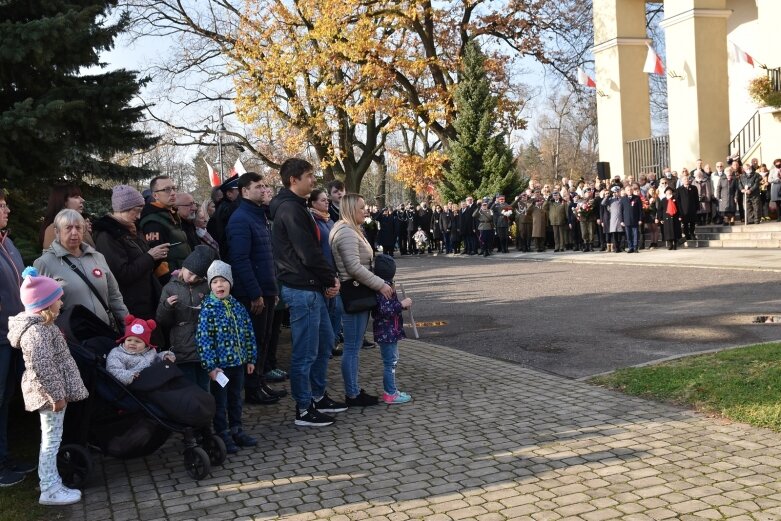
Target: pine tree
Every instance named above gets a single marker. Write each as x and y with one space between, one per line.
481 163
57 123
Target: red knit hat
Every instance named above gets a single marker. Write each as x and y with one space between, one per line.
139 328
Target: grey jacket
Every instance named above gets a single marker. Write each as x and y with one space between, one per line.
181 320
50 372
93 265
124 366
11 267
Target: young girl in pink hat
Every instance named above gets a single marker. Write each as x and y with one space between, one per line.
51 379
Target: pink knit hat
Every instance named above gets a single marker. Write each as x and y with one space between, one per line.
139 328
38 292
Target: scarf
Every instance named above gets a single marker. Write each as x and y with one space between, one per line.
207 239
672 208
131 226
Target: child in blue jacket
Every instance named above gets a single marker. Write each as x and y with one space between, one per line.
226 342
389 329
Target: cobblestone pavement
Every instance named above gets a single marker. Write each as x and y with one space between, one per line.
484 439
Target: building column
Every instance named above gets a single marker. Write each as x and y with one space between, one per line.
619 50
697 80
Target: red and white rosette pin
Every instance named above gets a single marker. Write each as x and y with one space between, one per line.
97 273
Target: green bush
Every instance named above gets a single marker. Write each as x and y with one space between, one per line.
761 91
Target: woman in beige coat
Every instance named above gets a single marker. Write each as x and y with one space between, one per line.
353 257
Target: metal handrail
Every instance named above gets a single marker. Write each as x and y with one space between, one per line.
746 137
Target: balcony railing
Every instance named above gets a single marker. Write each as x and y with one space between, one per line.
648 155
774 75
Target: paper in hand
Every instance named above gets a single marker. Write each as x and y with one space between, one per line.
221 379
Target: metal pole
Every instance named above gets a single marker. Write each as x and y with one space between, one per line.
411 317
220 130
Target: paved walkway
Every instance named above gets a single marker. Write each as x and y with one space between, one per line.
484 439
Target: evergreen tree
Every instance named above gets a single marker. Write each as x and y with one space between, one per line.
58 123
481 163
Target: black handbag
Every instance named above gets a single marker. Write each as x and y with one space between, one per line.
356 297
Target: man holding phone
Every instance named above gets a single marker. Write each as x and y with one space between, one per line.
161 224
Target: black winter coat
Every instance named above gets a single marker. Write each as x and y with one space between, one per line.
134 269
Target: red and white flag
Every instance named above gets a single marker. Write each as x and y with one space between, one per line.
653 63
742 56
238 168
584 79
214 176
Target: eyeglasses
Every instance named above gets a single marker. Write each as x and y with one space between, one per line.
4 208
167 190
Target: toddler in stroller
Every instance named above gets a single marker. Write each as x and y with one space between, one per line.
134 353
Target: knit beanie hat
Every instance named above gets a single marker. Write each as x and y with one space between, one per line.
124 197
38 292
199 260
385 267
220 269
138 328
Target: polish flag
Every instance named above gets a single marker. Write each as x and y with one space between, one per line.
238 168
742 56
584 79
653 63
214 176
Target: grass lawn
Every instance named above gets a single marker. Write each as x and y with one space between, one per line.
742 384
20 502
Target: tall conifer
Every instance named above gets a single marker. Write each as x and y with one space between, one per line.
481 163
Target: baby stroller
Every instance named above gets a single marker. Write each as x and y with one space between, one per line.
130 421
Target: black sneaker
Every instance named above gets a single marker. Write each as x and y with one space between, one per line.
362 400
326 404
242 439
311 417
367 344
259 397
279 393
9 478
24 467
230 445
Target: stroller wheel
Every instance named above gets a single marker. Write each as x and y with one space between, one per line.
74 464
196 462
215 448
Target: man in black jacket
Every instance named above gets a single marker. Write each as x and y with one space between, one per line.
689 203
468 227
307 279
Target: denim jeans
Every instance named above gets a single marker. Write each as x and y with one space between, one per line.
228 399
8 363
631 237
354 328
335 312
194 372
390 357
312 342
51 436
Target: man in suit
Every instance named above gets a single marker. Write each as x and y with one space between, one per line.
468 227
689 202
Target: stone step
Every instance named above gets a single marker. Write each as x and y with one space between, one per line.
745 236
740 228
752 244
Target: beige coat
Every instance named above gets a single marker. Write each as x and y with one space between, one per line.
353 256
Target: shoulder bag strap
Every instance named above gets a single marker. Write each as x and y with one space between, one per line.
92 288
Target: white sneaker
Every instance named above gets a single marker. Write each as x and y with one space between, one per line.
60 495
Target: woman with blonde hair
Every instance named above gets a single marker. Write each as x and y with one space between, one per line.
354 257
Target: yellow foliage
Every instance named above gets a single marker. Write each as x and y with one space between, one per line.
418 172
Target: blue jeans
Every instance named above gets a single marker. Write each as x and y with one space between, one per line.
631 237
194 372
228 399
312 341
51 437
8 376
354 328
390 357
335 312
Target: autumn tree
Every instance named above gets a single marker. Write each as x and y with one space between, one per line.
338 77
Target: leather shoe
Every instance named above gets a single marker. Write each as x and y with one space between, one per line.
279 393
259 397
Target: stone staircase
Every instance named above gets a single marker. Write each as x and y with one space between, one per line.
766 235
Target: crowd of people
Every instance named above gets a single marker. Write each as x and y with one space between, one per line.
584 215
203 286
208 286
